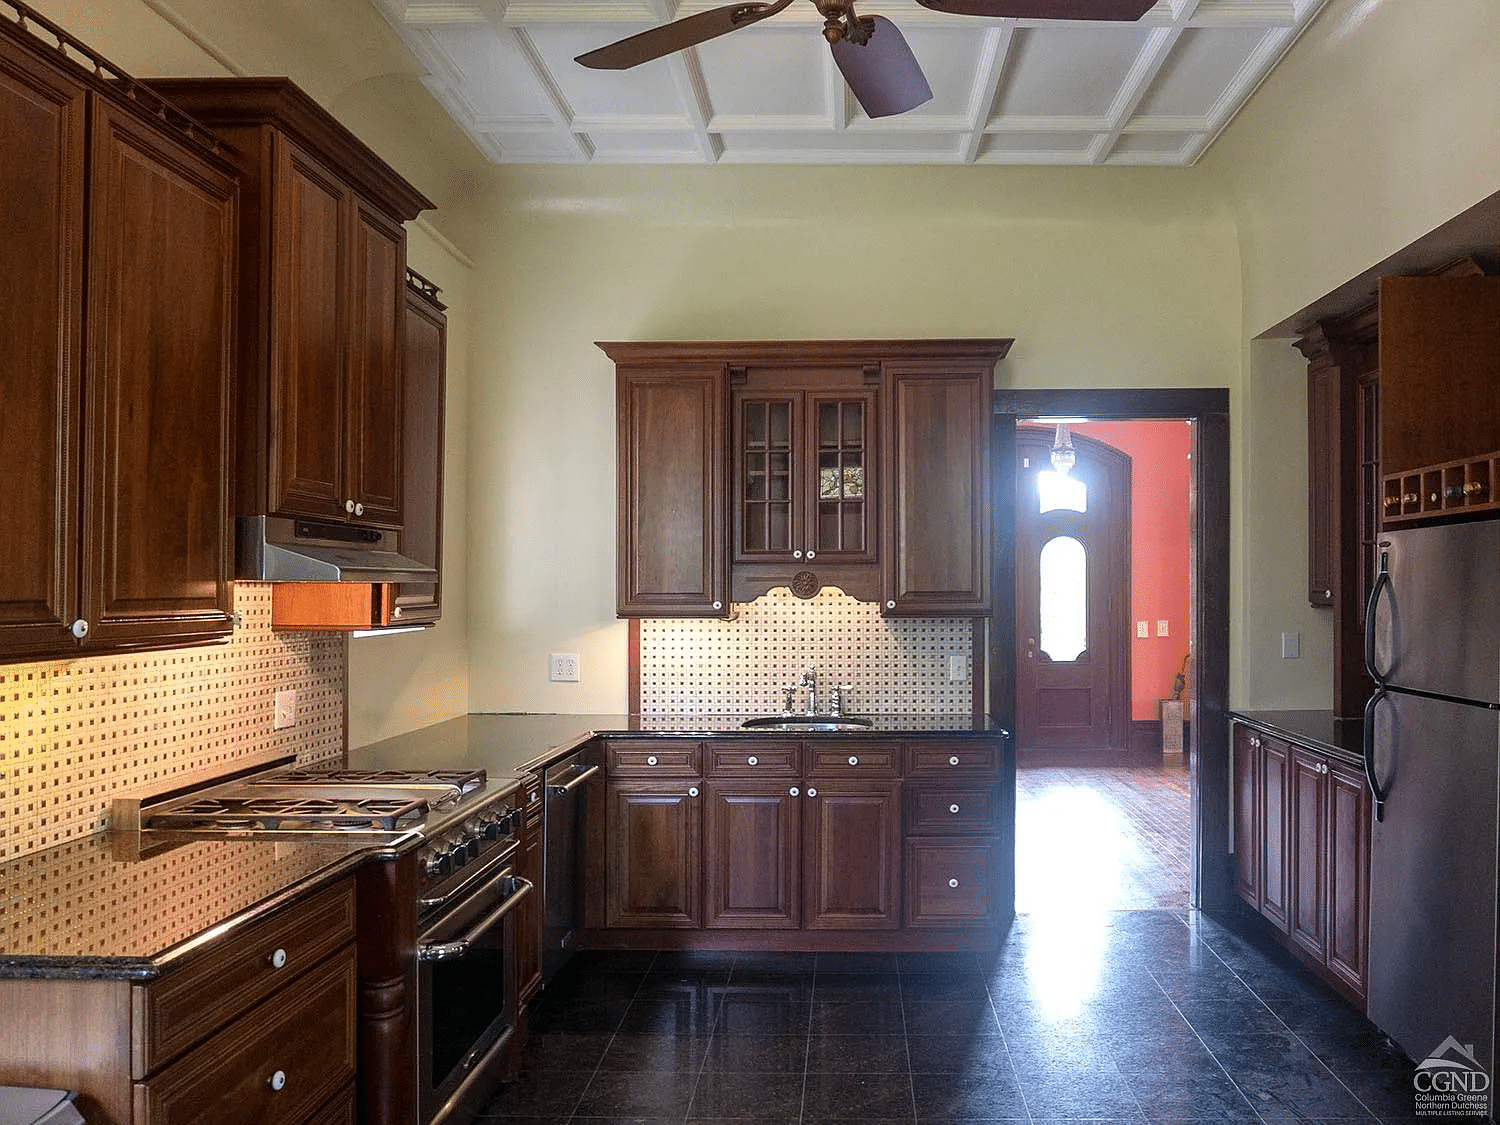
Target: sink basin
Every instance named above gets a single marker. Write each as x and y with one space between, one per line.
807 722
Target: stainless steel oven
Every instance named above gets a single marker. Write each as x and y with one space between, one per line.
466 988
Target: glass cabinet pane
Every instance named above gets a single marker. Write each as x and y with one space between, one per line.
766 488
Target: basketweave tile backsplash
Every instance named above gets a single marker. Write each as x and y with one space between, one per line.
74 733
742 666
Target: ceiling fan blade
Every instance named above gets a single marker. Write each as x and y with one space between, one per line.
883 73
1124 11
679 34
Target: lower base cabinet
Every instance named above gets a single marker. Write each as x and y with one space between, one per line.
1302 851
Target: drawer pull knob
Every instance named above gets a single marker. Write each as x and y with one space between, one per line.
953 761
794 791
278 959
953 808
753 760
278 1080
854 759
811 792
953 883
693 791
651 760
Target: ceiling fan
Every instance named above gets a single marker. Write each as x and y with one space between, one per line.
870 51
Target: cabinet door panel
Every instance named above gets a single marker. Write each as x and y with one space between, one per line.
308 327
654 867
672 558
377 264
935 557
424 366
752 848
852 857
162 235
1308 837
842 472
1274 861
42 118
1247 829
1348 876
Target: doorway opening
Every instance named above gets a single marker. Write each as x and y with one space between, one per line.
1160 830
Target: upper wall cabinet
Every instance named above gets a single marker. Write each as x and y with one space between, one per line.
117 302
322 304
857 464
424 374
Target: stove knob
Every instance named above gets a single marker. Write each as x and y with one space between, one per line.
471 847
437 863
460 854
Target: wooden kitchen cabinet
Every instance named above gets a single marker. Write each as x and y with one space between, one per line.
858 464
1302 851
753 851
424 375
654 831
255 1025
851 862
118 307
953 813
322 305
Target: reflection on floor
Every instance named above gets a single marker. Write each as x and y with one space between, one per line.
1088 1012
1104 837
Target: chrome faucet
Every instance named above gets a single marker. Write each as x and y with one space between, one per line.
836 701
809 684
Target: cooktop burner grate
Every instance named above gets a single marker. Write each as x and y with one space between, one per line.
330 813
465 781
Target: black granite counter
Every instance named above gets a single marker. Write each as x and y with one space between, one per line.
515 744
1322 730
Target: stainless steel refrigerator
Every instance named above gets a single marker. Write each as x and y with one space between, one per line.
1432 757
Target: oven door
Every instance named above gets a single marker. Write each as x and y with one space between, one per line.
466 998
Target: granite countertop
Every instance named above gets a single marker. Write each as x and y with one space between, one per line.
510 745
1322 730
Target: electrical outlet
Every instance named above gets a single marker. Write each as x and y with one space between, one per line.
286 709
1142 629
1161 628
958 668
564 667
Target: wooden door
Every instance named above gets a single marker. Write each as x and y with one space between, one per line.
653 872
1307 834
1275 863
42 122
1348 879
309 323
424 366
672 558
752 847
377 289
163 229
851 874
1072 596
935 538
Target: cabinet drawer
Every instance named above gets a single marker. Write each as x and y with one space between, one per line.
755 759
301 1039
950 882
934 811
226 977
853 761
653 759
952 759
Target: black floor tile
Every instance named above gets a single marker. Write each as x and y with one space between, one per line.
856 1054
857 1097
967 1097
637 1094
725 1094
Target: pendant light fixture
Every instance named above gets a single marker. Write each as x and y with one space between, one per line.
1063 456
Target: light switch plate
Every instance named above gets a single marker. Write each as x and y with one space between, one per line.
1142 629
958 668
1161 628
1291 646
564 667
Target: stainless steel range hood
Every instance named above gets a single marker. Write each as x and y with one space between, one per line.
272 549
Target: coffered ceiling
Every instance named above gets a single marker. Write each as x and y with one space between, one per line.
1005 91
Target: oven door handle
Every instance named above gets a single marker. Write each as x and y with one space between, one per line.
574 782
453 950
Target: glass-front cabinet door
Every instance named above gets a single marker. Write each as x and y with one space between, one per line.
804 475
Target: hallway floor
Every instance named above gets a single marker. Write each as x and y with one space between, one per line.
1088 1012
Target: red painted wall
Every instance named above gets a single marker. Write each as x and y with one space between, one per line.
1160 538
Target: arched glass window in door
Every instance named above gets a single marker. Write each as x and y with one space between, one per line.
1063 598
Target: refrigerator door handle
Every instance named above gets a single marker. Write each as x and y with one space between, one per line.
1381 584
1377 791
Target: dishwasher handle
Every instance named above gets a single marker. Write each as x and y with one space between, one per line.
573 782
454 950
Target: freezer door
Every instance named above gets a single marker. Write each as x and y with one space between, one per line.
1435 626
1432 876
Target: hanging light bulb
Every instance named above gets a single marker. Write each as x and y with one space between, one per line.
1063 456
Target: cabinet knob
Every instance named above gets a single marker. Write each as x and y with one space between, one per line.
953 883
278 959
811 792
718 605
812 554
349 506
752 760
796 554
953 808
396 612
890 605
651 759
854 759
278 1080
359 509
794 791
79 628
692 791
953 761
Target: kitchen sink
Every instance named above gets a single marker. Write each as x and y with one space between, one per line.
807 722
